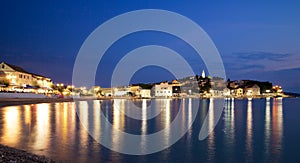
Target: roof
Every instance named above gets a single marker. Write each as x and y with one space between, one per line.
16 68
20 69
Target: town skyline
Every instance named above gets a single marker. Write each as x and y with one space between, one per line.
16 79
255 41
48 83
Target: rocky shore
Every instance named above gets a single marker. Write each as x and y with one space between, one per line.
12 155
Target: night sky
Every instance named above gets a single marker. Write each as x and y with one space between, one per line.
257 40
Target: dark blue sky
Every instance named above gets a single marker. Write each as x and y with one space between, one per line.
257 40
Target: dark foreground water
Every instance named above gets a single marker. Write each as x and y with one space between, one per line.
249 130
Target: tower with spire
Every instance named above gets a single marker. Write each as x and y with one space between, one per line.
203 74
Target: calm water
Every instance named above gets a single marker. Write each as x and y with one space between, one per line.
252 131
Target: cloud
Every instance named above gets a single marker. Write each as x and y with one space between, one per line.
262 56
251 67
242 64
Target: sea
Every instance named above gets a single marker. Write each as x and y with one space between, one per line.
157 130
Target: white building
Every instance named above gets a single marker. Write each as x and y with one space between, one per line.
226 92
216 93
120 92
163 90
145 93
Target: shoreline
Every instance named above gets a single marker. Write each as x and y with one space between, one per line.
9 154
27 101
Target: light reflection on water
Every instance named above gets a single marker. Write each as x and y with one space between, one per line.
229 126
56 130
277 129
211 136
267 127
12 126
249 133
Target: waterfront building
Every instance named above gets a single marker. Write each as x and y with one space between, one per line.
42 81
106 92
145 93
3 81
176 88
163 89
216 93
120 92
253 90
277 89
239 92
226 92
134 90
2 75
17 76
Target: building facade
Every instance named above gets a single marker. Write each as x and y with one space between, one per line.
226 92
120 93
239 92
106 92
252 90
17 76
145 93
163 90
